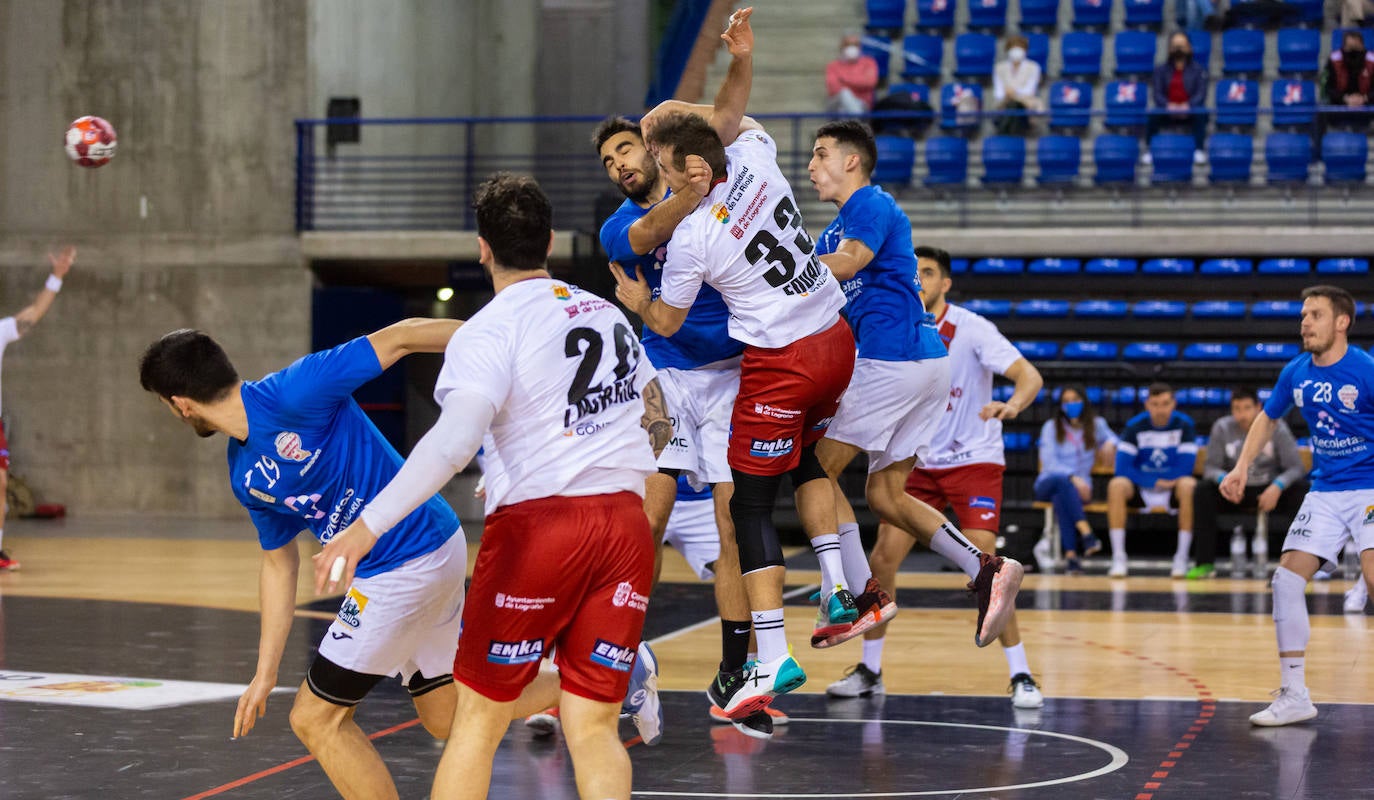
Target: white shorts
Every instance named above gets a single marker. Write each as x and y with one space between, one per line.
693 533
1327 519
404 621
700 402
892 409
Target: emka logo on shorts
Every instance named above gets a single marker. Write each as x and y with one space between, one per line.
525 651
289 446
608 654
354 603
771 448
625 595
510 601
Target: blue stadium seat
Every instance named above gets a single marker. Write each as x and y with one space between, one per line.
1038 50
1229 155
1211 351
1344 155
1054 266
959 266
1202 48
1294 102
1173 158
880 48
1124 396
1095 395
1168 266
1299 51
1227 266
1070 104
886 14
1038 351
1219 398
1003 392
1089 351
1004 159
1135 51
988 15
1285 266
974 54
1276 309
1052 309
1115 156
1219 309
1307 11
1145 13
1082 53
923 55
1100 309
1126 102
916 91
947 160
950 96
1237 103
1242 51
1039 14
1150 351
1287 156
935 15
1265 351
999 266
896 158
989 308
1092 13
1161 309
1343 266
1110 266
1193 396
1058 157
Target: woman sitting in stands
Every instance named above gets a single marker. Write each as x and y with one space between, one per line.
1069 445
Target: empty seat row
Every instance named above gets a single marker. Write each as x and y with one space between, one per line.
938 15
1090 350
1158 266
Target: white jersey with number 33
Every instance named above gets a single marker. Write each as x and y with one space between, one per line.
748 241
566 374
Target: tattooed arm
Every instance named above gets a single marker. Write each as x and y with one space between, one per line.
656 420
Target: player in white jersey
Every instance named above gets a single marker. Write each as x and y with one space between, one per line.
553 377
746 239
11 330
963 468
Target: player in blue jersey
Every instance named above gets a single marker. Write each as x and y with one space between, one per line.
1155 459
1332 384
304 456
898 394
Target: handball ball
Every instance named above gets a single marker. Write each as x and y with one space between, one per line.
91 142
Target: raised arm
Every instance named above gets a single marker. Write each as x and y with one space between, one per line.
408 336
29 315
727 114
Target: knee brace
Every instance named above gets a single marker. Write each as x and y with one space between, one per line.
1291 625
808 467
751 507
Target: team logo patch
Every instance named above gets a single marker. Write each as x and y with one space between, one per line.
562 293
354 603
1369 515
608 654
771 448
721 213
289 446
514 603
1348 394
982 502
525 651
625 595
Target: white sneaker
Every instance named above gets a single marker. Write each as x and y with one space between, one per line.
858 681
1118 569
1043 558
1199 157
1180 566
1357 598
642 700
1025 693
1289 706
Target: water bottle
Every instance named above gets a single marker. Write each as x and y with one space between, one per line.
1260 548
1238 566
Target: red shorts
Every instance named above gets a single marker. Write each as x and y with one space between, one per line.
974 490
787 397
564 574
4 450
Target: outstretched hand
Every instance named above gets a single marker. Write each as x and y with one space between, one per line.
61 261
739 36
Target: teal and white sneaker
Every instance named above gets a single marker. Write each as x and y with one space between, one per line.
747 692
835 617
642 702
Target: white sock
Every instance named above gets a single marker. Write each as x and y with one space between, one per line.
1292 628
1292 673
1118 537
856 569
951 544
873 655
1016 659
1185 543
772 636
827 547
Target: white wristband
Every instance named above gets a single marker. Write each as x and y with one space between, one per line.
53 284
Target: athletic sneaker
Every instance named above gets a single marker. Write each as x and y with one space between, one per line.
1043 556
1025 693
875 603
1180 566
1202 572
835 616
642 700
998 580
1289 706
7 563
745 692
1118 569
777 715
1091 545
1072 566
1357 598
858 681
544 723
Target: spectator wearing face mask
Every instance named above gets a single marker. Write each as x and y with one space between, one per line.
1015 82
850 79
1069 444
1346 82
1179 85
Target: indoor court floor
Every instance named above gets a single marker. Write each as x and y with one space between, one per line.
125 642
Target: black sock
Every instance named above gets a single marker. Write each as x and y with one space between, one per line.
734 644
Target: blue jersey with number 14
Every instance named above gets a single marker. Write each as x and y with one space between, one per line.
313 459
1338 404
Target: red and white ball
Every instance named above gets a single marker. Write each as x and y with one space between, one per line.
90 142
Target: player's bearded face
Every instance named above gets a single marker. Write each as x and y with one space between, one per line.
645 179
1318 325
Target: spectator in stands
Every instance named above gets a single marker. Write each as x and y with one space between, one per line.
1069 445
1015 83
850 79
1346 82
1276 478
1356 13
1154 463
1199 14
1179 86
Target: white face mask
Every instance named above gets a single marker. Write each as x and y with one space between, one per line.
1016 55
850 52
